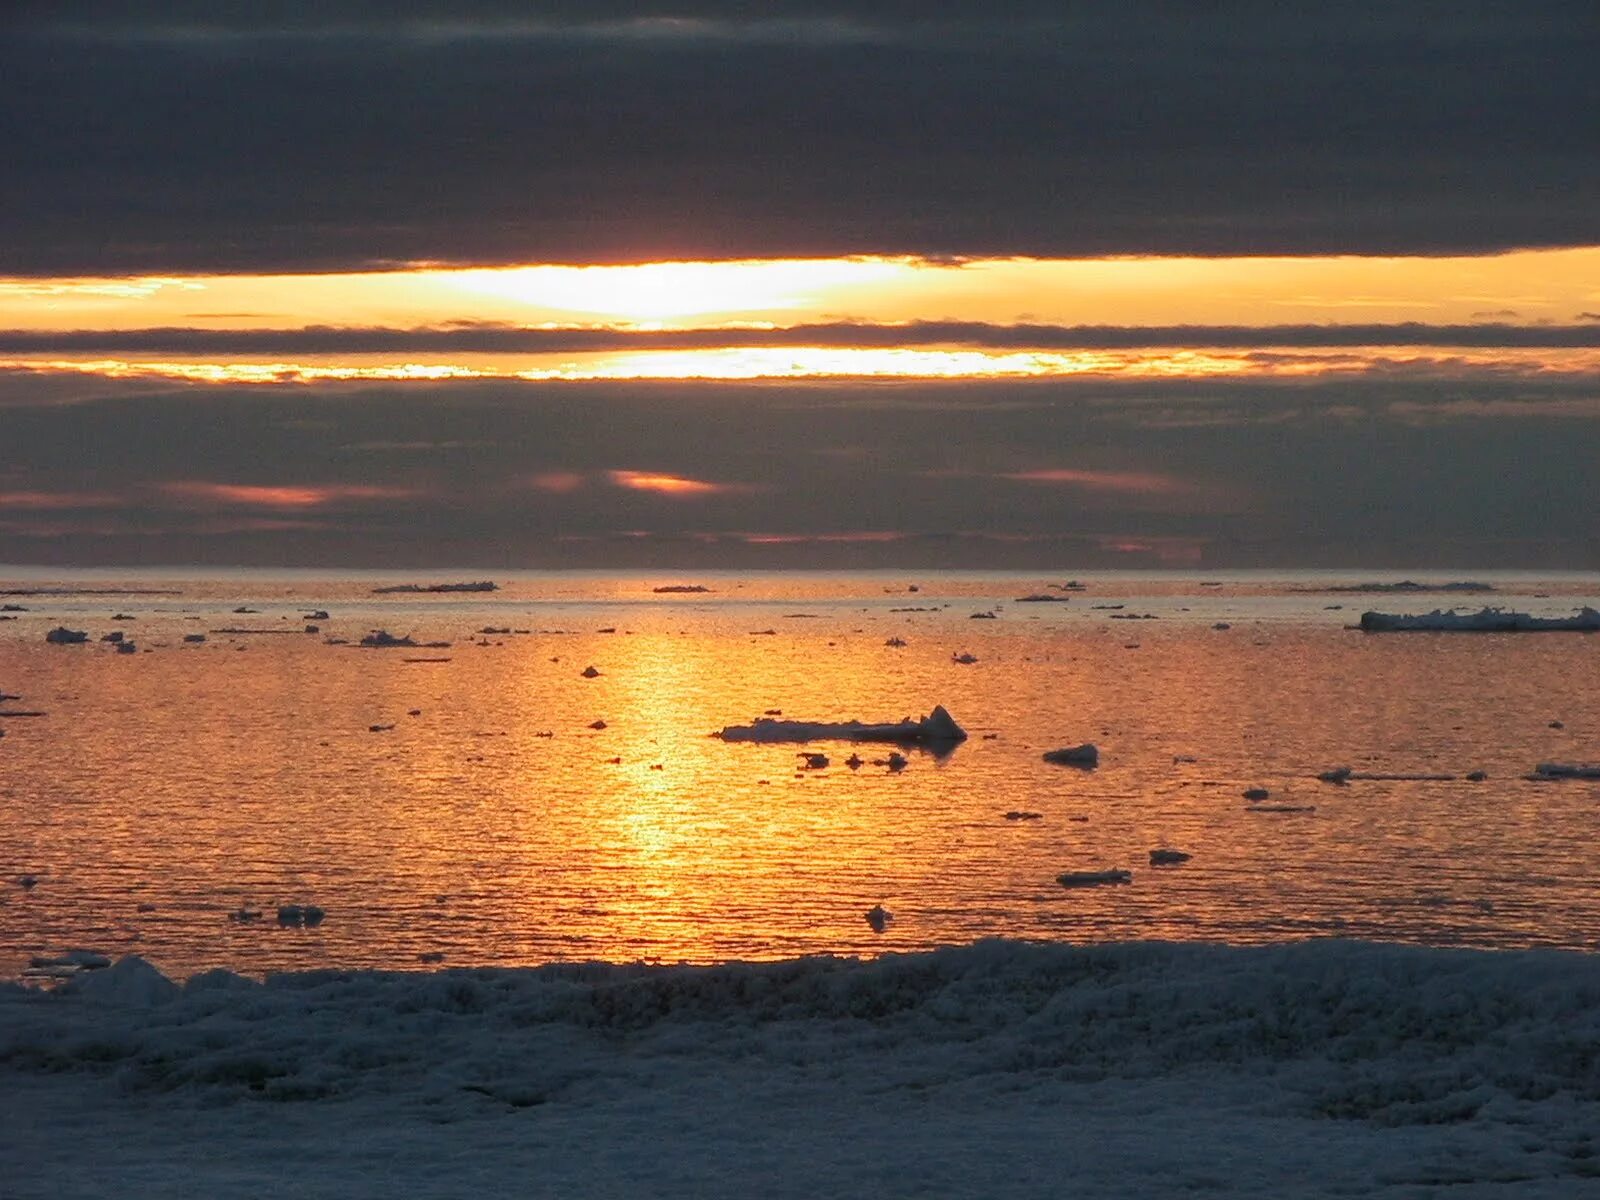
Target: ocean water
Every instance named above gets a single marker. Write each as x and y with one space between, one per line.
486 822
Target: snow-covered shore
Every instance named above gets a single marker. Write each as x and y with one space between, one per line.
999 1069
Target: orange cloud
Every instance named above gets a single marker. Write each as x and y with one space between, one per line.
670 485
278 496
785 539
556 482
47 501
1139 483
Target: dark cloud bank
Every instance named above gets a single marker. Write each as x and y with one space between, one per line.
1404 472
188 137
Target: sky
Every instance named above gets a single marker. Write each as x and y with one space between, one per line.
703 284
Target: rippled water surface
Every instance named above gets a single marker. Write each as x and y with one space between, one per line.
164 790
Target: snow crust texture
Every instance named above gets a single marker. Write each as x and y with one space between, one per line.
1366 1066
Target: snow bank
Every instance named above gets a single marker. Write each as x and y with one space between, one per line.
997 1069
937 726
1487 620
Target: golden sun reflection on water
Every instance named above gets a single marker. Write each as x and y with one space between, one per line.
822 362
166 790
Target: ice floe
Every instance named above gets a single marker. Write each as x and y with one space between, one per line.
1086 755
1555 770
1085 879
938 726
1486 620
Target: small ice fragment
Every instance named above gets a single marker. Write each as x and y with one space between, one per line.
87 960
1081 879
1086 755
590 673
1254 794
1168 858
879 918
300 914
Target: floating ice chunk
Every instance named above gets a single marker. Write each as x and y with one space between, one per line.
87 960
300 914
1081 879
382 638
1487 620
938 726
130 981
1168 858
1254 794
879 918
1552 770
1086 755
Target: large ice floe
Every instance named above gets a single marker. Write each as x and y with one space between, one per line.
938 727
1485 620
998 1069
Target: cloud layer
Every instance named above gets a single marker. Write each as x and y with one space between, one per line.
1371 471
189 137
